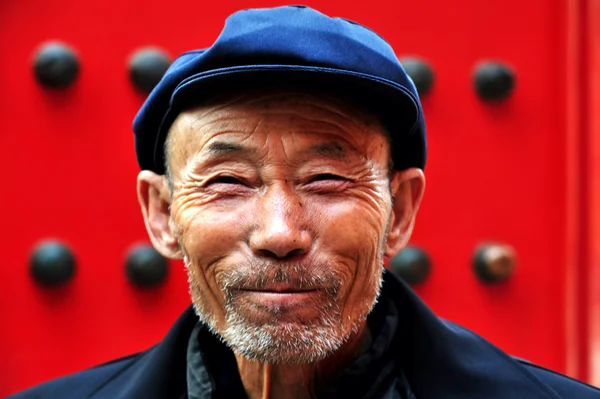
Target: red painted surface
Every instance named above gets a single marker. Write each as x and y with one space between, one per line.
583 190
496 172
590 60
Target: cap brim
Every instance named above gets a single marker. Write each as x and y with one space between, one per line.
394 103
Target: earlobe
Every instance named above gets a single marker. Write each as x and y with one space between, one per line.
407 188
154 198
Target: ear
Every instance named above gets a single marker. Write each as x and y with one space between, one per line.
407 187
154 197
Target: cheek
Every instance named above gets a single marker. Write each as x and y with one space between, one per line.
208 234
346 228
354 223
353 232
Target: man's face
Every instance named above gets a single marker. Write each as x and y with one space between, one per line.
280 204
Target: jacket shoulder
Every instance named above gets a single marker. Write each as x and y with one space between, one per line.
565 387
79 385
552 383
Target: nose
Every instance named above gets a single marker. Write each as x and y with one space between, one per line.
280 232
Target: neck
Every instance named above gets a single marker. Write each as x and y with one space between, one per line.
286 380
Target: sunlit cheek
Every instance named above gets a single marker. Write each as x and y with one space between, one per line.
209 239
348 229
208 234
356 236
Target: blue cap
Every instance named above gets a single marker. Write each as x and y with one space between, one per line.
288 46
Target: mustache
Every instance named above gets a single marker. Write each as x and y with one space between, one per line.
257 275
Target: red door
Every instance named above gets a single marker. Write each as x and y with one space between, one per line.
521 172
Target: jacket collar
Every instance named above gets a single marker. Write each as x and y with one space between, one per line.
160 372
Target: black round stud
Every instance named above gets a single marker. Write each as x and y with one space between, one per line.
493 81
420 73
147 67
145 267
412 264
494 263
56 66
52 263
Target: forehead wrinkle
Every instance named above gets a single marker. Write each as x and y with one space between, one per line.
203 124
352 141
215 149
271 101
332 144
322 107
311 115
223 120
296 122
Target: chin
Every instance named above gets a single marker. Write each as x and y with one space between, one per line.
292 342
287 343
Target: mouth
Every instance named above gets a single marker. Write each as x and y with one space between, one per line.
280 289
280 301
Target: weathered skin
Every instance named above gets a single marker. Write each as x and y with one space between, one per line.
282 192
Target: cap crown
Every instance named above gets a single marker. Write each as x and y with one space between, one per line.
290 45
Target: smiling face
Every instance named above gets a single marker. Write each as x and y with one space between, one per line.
281 207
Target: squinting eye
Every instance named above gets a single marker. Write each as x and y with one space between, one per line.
327 176
226 180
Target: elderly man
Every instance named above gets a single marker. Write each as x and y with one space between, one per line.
282 164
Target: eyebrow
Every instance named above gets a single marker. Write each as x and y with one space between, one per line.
221 149
332 150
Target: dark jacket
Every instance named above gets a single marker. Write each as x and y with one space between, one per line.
414 355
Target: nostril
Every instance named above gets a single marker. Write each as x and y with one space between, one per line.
282 255
295 252
266 253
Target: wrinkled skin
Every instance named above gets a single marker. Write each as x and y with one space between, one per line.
282 207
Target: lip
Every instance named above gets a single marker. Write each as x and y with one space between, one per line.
280 289
281 300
